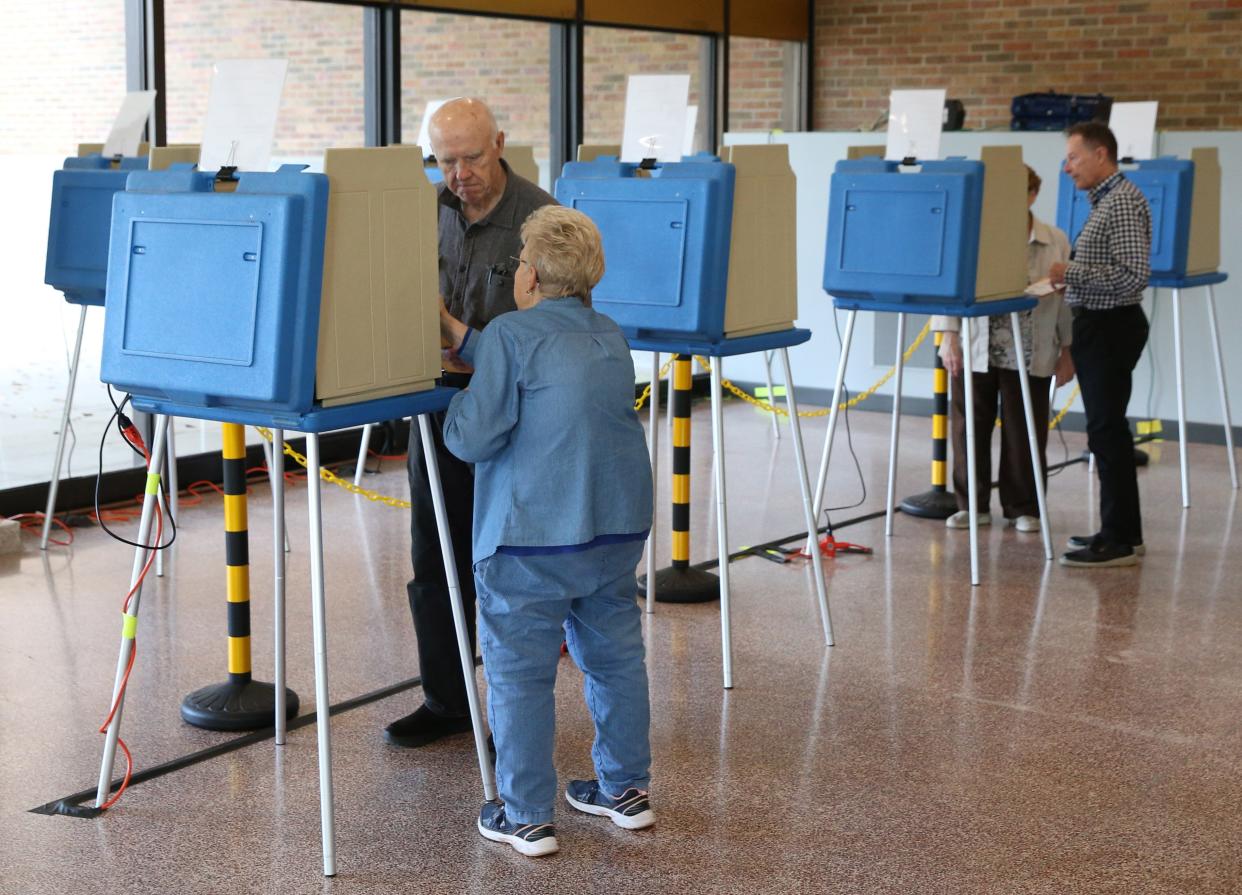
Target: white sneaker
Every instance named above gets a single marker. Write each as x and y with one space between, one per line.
961 519
1025 523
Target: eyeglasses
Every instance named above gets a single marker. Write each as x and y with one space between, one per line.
520 261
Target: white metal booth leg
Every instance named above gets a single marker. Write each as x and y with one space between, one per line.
129 628
891 497
767 369
54 482
323 721
822 479
362 455
1045 523
804 484
1179 363
722 530
973 486
277 475
1224 389
653 428
464 647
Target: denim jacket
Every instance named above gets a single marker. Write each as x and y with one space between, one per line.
549 422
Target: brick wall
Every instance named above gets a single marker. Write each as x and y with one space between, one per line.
756 83
1185 53
322 104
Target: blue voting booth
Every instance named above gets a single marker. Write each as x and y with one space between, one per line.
687 246
79 224
666 232
939 237
213 297
1168 184
215 284
904 240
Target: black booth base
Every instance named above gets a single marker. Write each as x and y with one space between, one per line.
682 585
236 706
930 505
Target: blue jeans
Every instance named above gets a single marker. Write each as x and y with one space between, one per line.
527 605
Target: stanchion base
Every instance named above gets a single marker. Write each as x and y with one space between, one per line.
677 585
233 706
930 505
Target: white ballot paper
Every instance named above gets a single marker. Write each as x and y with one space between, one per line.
655 117
915 119
1134 126
241 114
1040 288
424 129
692 121
126 131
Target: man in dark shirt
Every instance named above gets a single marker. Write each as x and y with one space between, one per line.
482 205
1104 282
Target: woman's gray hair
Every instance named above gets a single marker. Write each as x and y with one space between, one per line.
564 248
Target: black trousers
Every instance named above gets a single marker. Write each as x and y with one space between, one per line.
444 689
1015 475
1107 346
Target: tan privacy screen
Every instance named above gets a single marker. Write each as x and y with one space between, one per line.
1003 225
1203 254
379 324
763 251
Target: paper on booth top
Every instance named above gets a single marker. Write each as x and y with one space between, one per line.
241 114
915 119
424 129
1134 126
655 117
127 127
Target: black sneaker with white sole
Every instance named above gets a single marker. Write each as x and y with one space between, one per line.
1078 542
631 810
532 840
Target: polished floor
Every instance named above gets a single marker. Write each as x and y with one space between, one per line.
1051 731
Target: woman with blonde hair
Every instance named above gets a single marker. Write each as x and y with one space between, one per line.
562 507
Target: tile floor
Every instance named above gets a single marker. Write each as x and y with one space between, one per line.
1051 731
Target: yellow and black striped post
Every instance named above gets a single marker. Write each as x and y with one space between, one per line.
680 583
937 503
240 703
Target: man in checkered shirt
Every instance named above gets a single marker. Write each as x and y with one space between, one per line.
1104 282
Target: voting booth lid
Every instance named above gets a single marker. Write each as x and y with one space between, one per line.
937 234
666 232
701 249
78 224
1173 188
906 237
213 297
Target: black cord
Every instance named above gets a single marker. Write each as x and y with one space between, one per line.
849 438
117 416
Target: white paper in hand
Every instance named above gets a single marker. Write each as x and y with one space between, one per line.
241 114
915 119
126 131
655 117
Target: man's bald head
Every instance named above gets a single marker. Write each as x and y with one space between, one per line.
468 146
466 113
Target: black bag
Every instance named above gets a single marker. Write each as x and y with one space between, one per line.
1057 111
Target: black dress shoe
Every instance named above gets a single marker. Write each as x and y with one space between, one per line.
1078 542
422 727
1100 555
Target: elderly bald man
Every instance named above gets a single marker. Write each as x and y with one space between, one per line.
482 205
